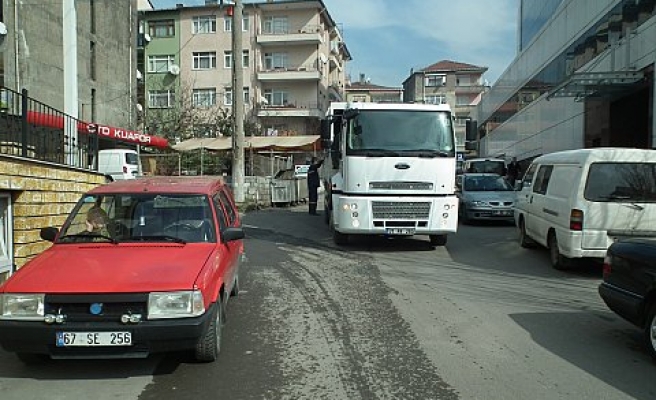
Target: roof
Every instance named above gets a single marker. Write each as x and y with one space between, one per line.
274 143
371 87
163 184
608 154
452 66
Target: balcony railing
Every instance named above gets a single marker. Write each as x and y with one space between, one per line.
288 30
33 130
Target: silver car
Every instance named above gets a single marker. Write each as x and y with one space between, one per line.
485 197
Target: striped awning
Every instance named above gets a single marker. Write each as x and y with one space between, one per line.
259 143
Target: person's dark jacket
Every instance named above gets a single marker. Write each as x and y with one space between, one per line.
313 175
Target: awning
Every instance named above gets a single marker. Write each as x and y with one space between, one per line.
584 84
258 143
57 121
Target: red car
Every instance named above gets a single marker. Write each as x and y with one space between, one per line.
140 266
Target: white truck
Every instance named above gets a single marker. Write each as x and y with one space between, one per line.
391 170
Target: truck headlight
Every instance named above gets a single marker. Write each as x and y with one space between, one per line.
183 304
27 307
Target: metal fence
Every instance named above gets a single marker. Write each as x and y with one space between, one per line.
34 130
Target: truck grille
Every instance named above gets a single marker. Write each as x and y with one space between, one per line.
397 185
400 210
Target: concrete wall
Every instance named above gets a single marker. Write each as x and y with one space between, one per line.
42 195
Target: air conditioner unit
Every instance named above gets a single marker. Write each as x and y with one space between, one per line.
174 70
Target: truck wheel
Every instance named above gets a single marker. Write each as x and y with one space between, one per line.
558 261
650 331
209 346
437 240
340 239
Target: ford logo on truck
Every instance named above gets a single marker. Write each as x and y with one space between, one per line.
402 166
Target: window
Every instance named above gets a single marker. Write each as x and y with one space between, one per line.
619 181
435 99
275 60
204 97
463 100
227 59
276 97
227 96
161 28
204 24
160 63
245 23
463 80
6 240
92 60
528 176
247 95
435 80
245 58
542 179
230 211
220 213
161 98
276 25
204 60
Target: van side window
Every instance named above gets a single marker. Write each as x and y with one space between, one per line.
542 179
528 176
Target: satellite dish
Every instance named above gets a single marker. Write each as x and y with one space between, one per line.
174 70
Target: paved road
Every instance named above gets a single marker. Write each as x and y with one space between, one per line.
383 319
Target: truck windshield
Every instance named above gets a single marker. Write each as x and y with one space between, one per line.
401 133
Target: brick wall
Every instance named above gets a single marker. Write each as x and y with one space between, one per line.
42 195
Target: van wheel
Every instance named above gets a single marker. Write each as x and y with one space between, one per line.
524 240
437 240
650 331
558 261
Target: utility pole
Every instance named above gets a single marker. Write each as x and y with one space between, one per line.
238 103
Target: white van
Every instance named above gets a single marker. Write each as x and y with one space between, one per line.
577 202
119 164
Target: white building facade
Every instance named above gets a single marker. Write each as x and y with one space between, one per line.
583 77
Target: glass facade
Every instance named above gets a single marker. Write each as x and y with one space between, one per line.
617 23
534 14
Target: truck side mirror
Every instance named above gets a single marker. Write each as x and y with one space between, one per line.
325 129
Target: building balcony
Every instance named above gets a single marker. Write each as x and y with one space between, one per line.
307 72
291 109
301 35
470 89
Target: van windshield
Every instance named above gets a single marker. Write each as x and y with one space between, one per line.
132 158
621 182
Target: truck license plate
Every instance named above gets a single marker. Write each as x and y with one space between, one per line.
400 231
91 339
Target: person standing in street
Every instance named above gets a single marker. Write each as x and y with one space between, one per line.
313 182
513 171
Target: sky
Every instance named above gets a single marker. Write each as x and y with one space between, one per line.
389 38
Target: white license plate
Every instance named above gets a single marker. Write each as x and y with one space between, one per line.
400 231
92 339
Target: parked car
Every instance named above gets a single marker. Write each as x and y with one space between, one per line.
486 196
629 285
140 266
577 202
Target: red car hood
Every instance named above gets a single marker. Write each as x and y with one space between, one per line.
123 268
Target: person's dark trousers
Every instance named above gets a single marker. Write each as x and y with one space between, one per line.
312 200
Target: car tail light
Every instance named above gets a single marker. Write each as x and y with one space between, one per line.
607 267
576 220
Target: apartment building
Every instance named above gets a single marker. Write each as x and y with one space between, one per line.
583 77
294 62
32 45
448 82
364 91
